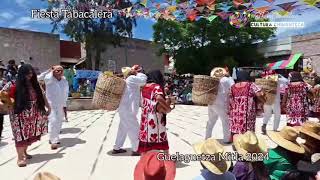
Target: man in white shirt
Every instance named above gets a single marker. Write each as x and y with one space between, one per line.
128 110
275 107
219 108
57 90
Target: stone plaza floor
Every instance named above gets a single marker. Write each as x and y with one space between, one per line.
88 138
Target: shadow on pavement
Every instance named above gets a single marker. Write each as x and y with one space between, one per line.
128 153
38 158
70 130
71 142
181 165
3 143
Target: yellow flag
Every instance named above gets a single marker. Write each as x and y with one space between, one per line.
311 2
144 2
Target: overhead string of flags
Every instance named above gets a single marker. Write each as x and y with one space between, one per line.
237 12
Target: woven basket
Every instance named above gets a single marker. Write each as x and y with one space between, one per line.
310 81
204 90
270 98
268 85
108 92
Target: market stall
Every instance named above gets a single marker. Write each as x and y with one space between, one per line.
84 83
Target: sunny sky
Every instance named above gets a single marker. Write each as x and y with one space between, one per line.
17 14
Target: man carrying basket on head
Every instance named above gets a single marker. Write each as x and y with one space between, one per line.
219 108
129 108
275 107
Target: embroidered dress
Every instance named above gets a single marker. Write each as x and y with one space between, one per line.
242 108
152 135
29 125
316 101
297 103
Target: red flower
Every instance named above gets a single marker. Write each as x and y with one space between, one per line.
152 124
163 136
143 120
142 127
153 137
143 135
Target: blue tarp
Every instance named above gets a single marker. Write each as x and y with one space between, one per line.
87 74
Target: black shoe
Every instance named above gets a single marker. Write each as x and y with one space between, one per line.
118 151
135 153
264 129
56 143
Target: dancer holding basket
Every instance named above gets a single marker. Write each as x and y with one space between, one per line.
129 108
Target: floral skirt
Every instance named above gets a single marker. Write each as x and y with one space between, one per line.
28 126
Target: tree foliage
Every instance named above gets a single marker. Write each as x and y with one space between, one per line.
199 46
97 34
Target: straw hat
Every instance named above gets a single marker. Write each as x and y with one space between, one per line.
125 71
46 176
249 143
287 138
213 147
150 167
218 72
311 129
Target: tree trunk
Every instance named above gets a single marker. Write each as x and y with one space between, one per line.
88 57
97 60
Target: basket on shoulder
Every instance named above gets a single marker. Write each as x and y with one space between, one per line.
108 92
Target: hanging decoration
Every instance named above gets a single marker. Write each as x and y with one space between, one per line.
239 19
236 12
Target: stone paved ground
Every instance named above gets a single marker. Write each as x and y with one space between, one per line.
88 138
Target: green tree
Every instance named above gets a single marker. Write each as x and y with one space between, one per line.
97 34
199 46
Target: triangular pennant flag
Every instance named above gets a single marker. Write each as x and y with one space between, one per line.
311 2
287 6
212 7
270 1
223 15
212 17
192 15
172 8
237 3
262 11
158 6
283 13
200 9
183 5
144 2
205 2
224 7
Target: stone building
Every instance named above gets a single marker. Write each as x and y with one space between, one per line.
39 49
308 45
131 52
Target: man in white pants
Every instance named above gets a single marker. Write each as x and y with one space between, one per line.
275 107
219 108
57 90
128 110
